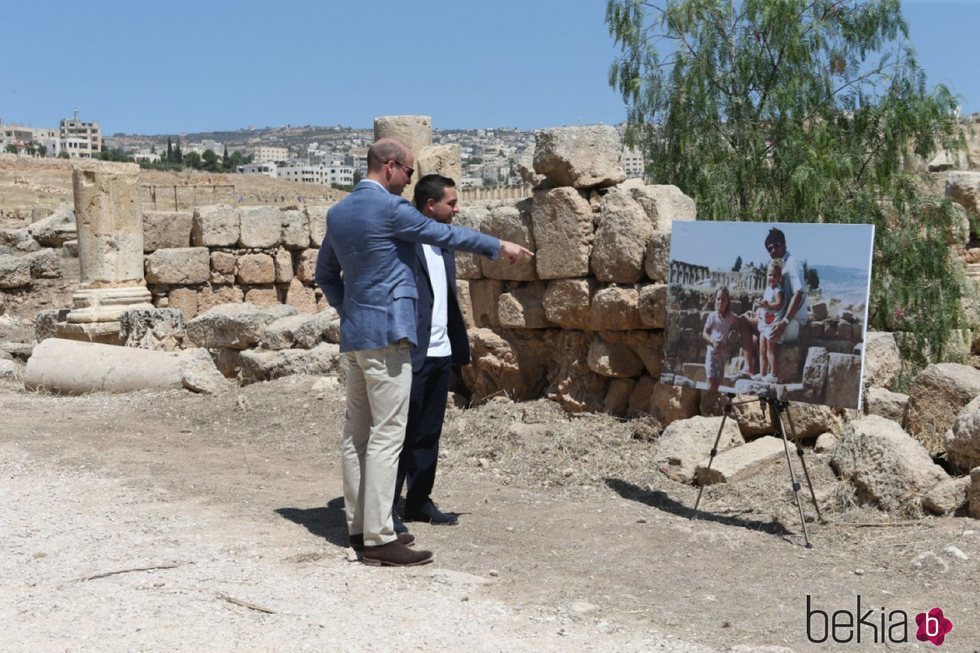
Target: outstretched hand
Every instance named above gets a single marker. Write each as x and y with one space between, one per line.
513 251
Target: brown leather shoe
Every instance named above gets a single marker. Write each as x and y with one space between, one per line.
395 554
357 541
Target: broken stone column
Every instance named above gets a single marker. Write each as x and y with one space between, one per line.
110 249
416 133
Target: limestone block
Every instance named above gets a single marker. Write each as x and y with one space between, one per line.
653 305
818 311
179 266
15 271
647 345
936 396
639 403
789 362
74 367
843 380
513 224
19 239
223 262
664 204
46 323
318 224
669 403
472 215
284 265
218 225
571 383
614 359
280 334
300 297
882 361
583 157
10 370
185 301
741 461
235 326
262 365
484 295
13 329
826 443
56 229
974 507
262 296
413 131
618 396
211 296
616 309
621 238
887 467
45 264
439 159
948 496
465 303
320 327
160 329
521 308
494 367
256 269
166 229
657 258
809 421
962 441
686 442
562 225
567 303
295 229
306 267
261 226
887 404
815 373
964 189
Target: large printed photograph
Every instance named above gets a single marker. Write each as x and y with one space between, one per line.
771 309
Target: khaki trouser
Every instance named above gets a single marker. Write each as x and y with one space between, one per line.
379 384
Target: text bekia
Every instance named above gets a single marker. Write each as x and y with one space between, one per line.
870 625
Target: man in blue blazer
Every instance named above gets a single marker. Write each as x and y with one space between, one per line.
441 344
366 269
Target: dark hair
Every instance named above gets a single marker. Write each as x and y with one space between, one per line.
431 187
775 237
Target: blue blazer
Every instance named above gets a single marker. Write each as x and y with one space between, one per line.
367 263
455 327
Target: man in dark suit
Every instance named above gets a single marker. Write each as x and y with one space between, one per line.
441 344
366 269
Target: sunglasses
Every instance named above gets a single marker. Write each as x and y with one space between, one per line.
408 171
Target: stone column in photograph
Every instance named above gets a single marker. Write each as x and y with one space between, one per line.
109 220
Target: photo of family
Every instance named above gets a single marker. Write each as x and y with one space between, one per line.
771 309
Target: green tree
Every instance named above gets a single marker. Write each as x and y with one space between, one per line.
210 160
738 264
63 154
800 110
11 149
193 160
178 153
170 151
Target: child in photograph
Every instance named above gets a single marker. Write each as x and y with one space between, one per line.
716 329
770 311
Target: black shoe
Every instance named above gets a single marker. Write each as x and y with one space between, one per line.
357 541
400 527
428 512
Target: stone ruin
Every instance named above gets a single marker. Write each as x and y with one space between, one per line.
581 323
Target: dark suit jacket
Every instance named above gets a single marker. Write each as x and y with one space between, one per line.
423 316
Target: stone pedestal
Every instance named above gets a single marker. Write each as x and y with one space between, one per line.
110 250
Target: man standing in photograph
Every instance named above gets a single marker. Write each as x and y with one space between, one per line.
441 344
366 269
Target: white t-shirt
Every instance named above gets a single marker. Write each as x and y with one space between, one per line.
792 283
439 333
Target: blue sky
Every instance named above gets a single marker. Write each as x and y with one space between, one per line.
196 65
717 244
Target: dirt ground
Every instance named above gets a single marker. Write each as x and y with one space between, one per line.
159 521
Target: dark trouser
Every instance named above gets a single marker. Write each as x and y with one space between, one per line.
426 409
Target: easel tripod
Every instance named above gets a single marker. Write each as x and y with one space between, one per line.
777 408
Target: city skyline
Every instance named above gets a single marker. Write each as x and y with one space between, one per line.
185 67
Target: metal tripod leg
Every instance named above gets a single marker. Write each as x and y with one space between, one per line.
776 408
714 449
806 472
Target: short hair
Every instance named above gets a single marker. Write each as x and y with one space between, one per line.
775 264
776 237
431 187
384 150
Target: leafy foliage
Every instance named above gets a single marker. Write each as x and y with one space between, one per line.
800 111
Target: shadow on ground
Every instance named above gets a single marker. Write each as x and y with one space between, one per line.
328 522
662 501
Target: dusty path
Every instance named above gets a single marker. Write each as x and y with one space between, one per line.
233 501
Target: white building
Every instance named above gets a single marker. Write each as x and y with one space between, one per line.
266 168
82 140
324 175
633 163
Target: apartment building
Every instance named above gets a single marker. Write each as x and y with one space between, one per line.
325 175
261 153
633 163
82 140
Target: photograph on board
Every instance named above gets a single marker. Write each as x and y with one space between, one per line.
772 309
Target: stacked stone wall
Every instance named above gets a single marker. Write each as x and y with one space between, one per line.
221 254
